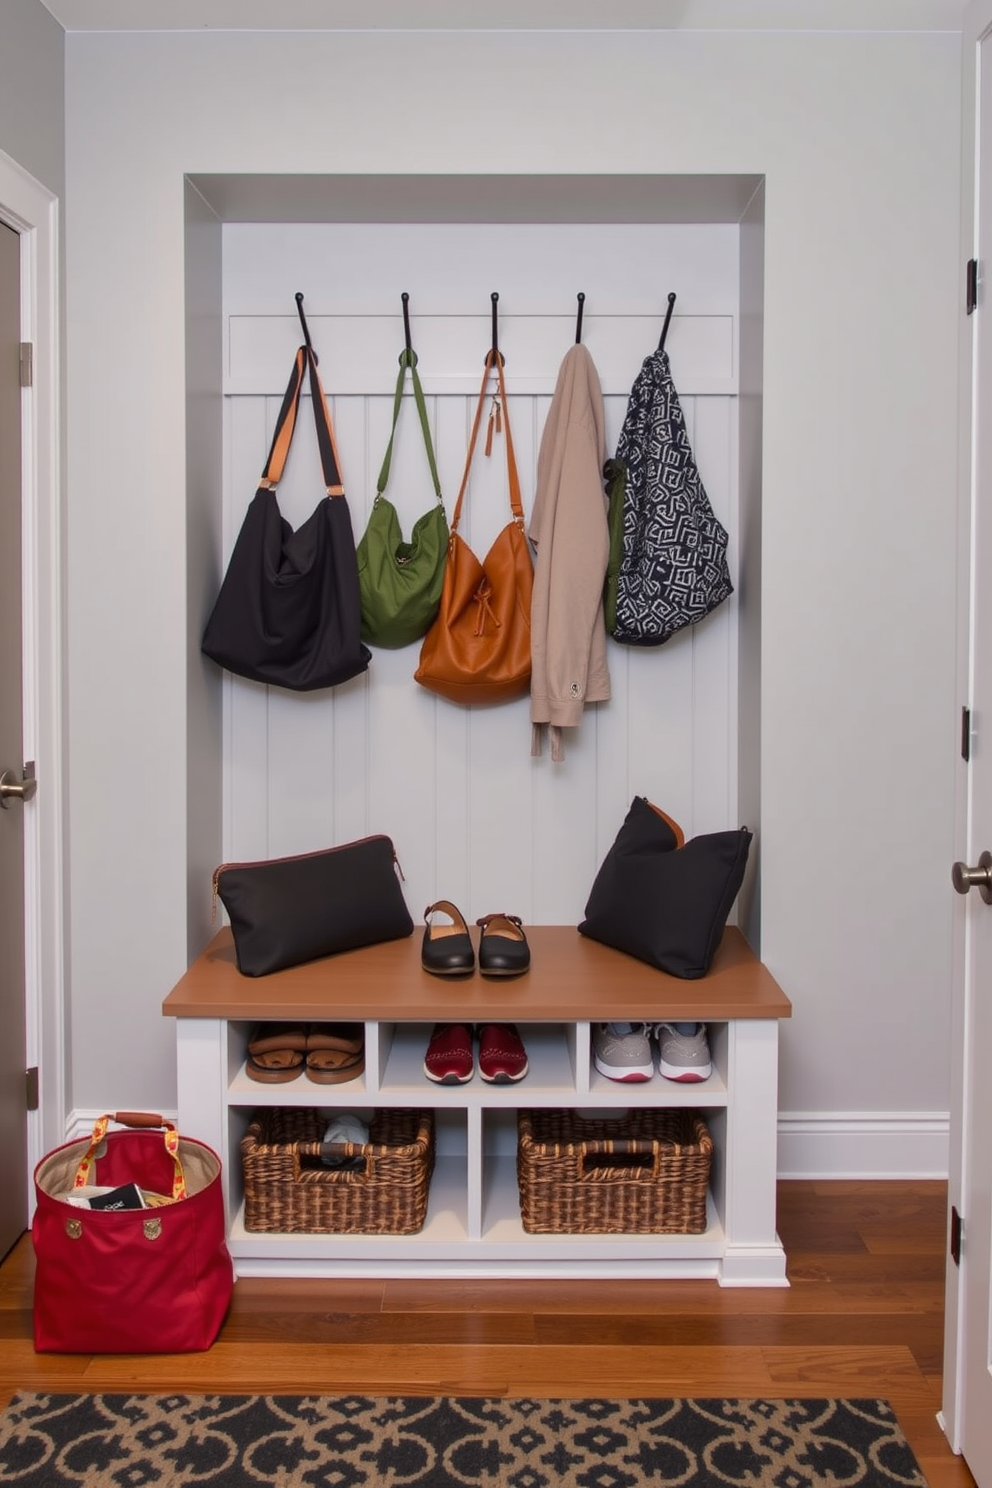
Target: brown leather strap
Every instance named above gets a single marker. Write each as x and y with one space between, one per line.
493 358
286 425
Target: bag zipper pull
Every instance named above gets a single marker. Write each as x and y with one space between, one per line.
398 866
213 896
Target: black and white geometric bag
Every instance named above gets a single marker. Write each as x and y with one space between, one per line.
669 554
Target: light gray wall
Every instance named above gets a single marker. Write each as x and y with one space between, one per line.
32 109
862 295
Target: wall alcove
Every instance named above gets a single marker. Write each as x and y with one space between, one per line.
474 817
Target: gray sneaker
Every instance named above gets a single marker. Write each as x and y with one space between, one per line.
684 1056
622 1051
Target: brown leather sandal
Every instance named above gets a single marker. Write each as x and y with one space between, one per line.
276 1067
335 1052
348 1037
276 1052
333 1066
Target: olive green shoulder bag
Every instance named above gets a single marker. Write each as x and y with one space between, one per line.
401 581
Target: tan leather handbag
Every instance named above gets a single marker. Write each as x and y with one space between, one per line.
478 648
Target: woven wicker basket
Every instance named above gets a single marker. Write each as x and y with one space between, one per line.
288 1191
644 1173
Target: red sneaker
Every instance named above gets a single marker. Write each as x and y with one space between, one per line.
502 1057
449 1060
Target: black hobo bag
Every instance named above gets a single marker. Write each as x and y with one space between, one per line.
289 610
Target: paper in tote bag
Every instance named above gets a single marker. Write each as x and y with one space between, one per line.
146 1280
289 610
401 581
478 649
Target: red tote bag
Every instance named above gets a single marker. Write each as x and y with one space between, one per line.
130 1281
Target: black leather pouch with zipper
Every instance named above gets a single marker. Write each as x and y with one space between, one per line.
285 911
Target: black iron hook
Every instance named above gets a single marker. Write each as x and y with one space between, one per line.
668 317
406 319
496 351
578 318
303 323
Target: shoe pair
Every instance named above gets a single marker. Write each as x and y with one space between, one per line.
622 1051
447 949
449 1059
329 1053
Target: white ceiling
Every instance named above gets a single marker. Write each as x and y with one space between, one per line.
512 15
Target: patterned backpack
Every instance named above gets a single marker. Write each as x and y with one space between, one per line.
668 553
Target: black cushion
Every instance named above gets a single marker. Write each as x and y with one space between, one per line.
664 903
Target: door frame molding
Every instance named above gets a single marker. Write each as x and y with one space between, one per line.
33 212
976 24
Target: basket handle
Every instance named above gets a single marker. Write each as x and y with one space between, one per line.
630 1156
341 1149
142 1120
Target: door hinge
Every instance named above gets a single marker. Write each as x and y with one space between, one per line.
957 1230
32 1087
971 285
27 364
966 734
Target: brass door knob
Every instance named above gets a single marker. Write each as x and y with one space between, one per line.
964 878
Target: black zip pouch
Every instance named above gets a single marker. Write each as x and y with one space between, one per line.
662 899
285 911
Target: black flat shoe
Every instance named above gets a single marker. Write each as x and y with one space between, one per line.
503 948
447 950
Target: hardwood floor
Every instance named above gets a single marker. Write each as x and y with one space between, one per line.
863 1315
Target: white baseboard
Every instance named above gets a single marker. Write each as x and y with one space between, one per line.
863 1144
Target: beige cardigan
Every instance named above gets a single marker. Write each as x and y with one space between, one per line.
569 531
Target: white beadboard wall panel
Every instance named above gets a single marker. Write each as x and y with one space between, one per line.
660 724
247 426
346 765
712 424
474 817
452 849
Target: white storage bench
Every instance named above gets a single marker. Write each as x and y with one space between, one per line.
473 1226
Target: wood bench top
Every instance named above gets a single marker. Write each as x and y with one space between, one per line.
571 979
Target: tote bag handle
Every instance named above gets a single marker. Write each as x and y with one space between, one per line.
286 425
142 1121
408 361
493 359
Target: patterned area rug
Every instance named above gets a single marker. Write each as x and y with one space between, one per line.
355 1441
